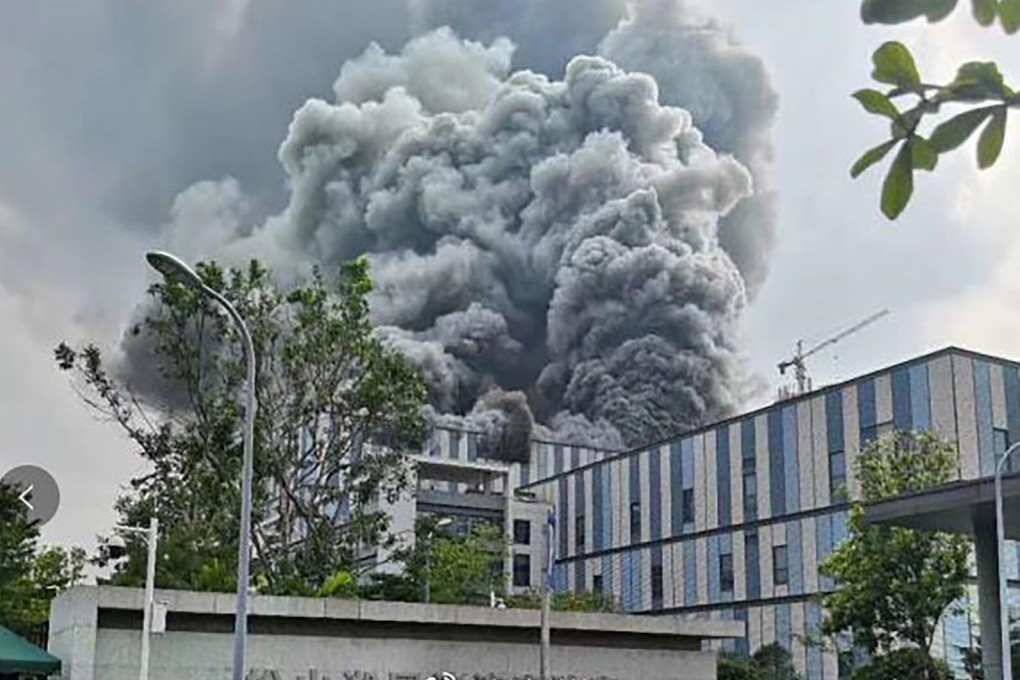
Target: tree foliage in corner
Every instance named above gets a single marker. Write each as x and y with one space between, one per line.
977 98
337 412
30 576
894 584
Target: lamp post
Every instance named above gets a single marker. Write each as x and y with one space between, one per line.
443 522
173 269
545 648
151 539
1000 531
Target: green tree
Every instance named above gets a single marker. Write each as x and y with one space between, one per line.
467 571
589 601
894 584
775 663
731 666
460 570
908 663
972 655
337 413
925 119
771 662
29 576
18 540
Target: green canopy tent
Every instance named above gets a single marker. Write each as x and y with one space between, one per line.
18 656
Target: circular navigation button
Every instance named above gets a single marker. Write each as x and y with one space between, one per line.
37 491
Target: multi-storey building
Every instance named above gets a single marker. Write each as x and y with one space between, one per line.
733 519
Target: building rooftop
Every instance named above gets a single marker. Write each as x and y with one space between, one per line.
795 399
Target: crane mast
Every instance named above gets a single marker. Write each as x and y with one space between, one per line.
800 375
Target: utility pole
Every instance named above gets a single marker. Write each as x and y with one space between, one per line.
152 539
150 590
549 533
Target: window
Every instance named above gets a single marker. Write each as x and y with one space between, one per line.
522 532
1000 442
635 522
869 434
579 532
522 571
751 565
687 499
726 573
596 584
749 459
460 528
750 496
657 586
780 566
837 474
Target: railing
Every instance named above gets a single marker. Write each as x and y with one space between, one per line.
39 635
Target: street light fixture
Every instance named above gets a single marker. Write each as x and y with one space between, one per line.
1000 531
442 522
175 270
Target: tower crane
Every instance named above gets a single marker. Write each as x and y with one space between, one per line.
800 354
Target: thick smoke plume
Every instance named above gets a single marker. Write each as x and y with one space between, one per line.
694 60
558 248
729 96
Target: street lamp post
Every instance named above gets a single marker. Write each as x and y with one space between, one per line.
173 269
443 522
1000 531
545 641
151 539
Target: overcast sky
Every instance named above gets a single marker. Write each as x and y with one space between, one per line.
109 110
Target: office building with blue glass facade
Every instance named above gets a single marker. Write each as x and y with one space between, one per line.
732 520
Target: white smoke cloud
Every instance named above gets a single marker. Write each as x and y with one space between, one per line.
424 68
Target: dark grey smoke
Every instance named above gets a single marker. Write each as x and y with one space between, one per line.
557 237
699 67
695 60
505 422
554 248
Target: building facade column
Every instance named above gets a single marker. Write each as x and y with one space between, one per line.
987 558
508 529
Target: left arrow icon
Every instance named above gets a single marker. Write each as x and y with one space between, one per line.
37 489
25 495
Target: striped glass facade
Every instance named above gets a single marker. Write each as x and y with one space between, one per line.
732 520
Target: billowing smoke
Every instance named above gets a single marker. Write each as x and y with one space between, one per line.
558 248
728 93
695 61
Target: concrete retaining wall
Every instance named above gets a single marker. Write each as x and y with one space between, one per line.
96 632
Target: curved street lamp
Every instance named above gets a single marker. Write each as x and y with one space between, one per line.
175 270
